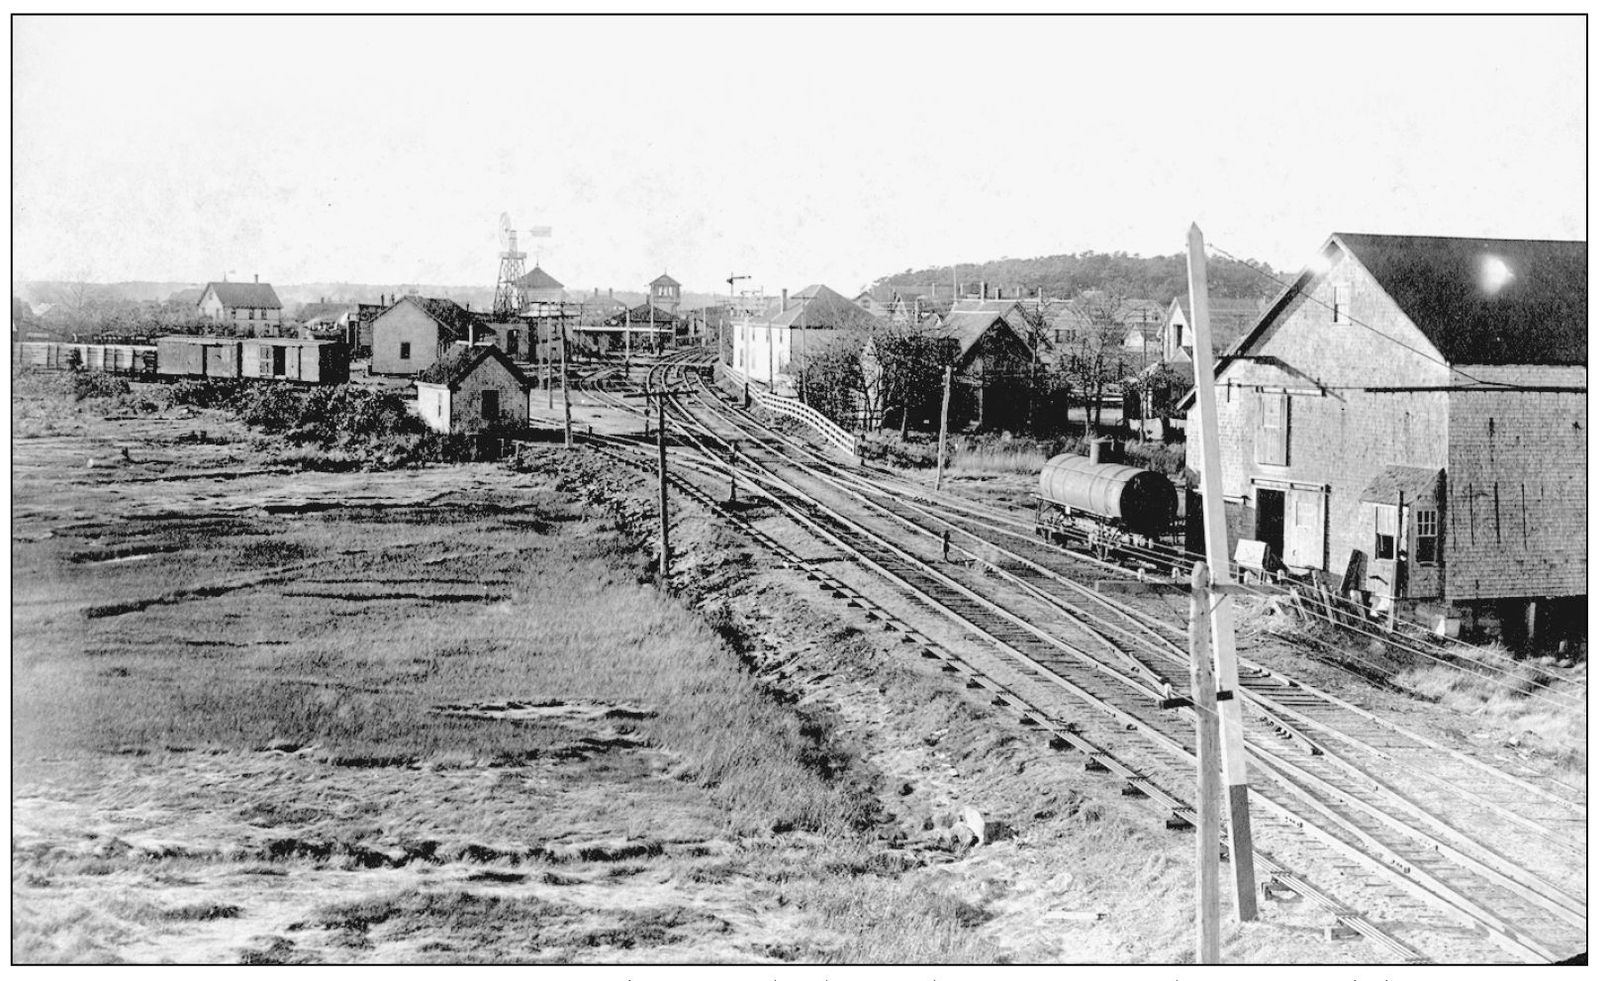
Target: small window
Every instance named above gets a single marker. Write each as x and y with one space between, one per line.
1341 303
488 405
406 352
1384 533
1428 536
251 314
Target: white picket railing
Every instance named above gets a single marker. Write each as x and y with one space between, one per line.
832 433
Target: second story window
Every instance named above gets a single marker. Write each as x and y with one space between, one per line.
1272 435
406 351
1341 303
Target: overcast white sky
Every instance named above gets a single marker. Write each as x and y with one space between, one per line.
812 150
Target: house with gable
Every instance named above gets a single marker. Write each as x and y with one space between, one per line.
1408 419
765 344
250 305
415 331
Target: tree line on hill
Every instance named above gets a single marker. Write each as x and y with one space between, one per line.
1158 278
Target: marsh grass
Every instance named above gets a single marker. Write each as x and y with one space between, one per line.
358 677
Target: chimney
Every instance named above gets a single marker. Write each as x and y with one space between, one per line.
783 299
1100 449
982 289
254 278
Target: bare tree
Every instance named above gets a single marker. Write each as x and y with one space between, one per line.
1092 360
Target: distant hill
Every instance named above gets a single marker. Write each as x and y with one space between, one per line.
1158 278
293 295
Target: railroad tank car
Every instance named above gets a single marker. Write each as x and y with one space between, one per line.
1106 503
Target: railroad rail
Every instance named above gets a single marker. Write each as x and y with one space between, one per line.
1104 663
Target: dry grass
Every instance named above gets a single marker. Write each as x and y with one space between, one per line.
1512 697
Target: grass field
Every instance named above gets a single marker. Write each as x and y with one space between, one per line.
437 714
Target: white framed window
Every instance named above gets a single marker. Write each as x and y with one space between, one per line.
1427 523
1341 303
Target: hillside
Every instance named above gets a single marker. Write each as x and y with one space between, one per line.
1158 278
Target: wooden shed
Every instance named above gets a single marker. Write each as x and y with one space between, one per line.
471 389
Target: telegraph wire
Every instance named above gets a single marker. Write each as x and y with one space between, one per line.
1357 321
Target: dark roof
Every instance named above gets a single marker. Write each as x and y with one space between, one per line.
966 327
664 280
461 359
1536 316
256 295
1395 480
458 321
816 306
536 279
642 312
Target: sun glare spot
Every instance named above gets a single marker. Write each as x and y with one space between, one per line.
1495 274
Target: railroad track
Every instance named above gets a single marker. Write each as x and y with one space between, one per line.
1108 670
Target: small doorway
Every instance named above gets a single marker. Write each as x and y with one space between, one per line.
278 361
1269 519
488 405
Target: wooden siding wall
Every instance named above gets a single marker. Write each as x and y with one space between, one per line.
1343 439
405 323
1515 487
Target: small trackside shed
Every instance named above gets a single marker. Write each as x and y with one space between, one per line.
295 359
198 357
471 389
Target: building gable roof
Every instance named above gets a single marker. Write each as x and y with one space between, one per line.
820 307
460 361
258 296
1484 301
664 280
537 279
458 322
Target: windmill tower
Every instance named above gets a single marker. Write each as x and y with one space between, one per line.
508 301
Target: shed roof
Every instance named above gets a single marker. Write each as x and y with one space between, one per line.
461 360
258 296
1482 300
1396 480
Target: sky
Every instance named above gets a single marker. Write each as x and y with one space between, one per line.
383 150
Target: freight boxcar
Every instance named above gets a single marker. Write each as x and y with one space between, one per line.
123 359
314 362
184 356
1103 504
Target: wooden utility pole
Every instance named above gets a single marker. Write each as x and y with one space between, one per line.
663 499
1208 804
563 355
943 426
1216 554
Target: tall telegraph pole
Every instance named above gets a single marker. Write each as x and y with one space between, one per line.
1216 555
